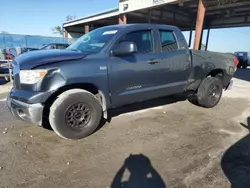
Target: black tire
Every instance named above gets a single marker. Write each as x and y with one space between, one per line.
207 96
73 107
209 92
7 78
193 100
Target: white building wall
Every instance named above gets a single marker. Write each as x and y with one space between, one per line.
131 5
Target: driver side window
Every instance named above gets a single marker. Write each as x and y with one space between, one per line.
142 39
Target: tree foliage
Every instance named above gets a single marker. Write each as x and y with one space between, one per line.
203 47
70 17
58 30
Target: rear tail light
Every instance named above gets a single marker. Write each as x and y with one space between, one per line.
236 62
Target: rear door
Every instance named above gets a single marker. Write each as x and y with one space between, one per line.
175 62
132 77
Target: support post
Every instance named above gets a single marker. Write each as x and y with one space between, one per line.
201 39
199 24
149 16
122 19
190 38
86 29
208 34
65 34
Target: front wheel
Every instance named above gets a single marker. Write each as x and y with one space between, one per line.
209 92
75 114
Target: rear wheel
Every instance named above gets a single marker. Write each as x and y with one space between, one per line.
209 93
75 114
193 100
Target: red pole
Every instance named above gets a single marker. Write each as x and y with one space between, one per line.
122 19
86 29
199 24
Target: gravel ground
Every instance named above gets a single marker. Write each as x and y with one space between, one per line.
172 144
4 88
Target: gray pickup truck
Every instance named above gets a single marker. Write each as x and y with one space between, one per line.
110 67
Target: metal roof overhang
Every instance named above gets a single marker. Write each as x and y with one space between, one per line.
184 15
99 19
236 14
226 15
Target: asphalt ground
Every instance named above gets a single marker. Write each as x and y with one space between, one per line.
166 142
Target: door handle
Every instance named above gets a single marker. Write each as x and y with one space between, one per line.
153 61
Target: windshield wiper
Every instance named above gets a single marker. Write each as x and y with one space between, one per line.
76 50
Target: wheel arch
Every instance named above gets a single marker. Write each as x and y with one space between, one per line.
85 86
215 73
221 74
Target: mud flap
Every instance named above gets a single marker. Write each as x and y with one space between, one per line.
229 86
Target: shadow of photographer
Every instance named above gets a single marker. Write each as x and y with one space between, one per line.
235 162
142 174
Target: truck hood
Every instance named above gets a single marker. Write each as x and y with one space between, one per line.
33 59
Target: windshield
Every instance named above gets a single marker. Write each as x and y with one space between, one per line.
94 41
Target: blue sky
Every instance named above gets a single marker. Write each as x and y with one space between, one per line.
37 17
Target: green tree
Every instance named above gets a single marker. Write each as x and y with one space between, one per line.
70 17
58 30
203 47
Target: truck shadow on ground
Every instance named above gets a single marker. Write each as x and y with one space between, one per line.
235 162
243 74
141 174
141 106
126 109
147 104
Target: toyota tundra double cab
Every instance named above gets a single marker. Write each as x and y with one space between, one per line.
111 67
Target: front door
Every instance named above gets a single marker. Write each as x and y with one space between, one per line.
132 77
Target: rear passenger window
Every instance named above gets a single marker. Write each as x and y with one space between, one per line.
168 41
142 39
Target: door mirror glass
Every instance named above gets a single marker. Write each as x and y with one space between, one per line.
125 48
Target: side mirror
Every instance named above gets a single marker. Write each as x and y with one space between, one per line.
125 48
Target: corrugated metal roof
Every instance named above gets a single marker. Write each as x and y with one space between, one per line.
93 17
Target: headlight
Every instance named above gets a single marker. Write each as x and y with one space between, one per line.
31 76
